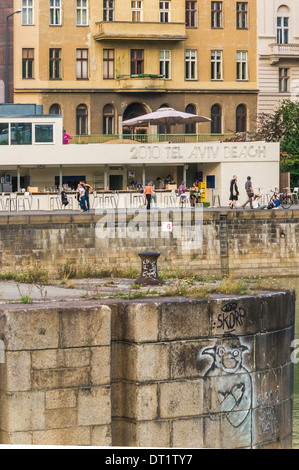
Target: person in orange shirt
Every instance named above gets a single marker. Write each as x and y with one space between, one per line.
148 191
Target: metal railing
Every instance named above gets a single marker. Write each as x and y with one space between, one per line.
149 138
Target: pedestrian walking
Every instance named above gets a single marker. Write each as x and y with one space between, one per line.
82 198
88 190
148 192
249 192
234 192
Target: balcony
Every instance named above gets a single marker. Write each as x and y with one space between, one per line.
143 82
143 31
283 51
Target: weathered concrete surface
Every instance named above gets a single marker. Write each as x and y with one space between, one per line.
258 241
151 373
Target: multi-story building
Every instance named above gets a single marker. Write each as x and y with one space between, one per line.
278 52
6 8
100 62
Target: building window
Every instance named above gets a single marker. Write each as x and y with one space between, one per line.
191 65
44 133
216 15
108 10
216 116
4 132
55 109
164 12
165 64
82 12
108 119
27 63
20 133
282 30
242 68
242 15
136 8
137 61
284 80
27 12
216 65
190 128
55 12
55 64
82 64
241 118
108 63
191 14
81 120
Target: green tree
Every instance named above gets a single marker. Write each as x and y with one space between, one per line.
283 126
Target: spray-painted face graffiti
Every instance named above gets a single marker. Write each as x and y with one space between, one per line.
234 387
227 354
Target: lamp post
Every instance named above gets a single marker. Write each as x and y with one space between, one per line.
6 54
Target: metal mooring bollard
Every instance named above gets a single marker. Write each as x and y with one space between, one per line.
149 271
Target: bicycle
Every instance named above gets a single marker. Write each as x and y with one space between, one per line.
286 199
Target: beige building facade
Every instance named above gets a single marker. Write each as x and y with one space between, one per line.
100 63
278 53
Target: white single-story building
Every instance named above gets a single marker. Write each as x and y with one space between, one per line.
32 154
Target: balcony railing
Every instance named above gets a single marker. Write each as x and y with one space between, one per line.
141 31
148 138
143 81
281 51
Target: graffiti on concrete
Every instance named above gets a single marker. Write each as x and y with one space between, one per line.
231 317
267 421
234 386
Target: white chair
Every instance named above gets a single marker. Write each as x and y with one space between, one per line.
55 203
295 194
11 203
2 202
97 200
22 201
138 201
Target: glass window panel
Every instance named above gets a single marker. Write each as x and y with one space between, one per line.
84 69
3 134
30 16
44 133
21 133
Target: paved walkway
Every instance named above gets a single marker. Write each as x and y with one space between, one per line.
99 211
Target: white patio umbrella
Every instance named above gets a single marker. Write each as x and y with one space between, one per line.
165 117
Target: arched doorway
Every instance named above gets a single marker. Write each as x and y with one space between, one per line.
132 111
55 109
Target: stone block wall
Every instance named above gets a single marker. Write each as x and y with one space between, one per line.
55 383
163 373
259 242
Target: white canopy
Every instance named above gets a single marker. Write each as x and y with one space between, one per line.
165 117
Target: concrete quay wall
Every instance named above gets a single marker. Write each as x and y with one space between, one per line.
258 242
153 373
